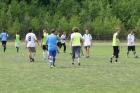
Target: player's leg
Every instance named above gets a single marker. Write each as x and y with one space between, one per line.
30 54
117 54
78 54
51 58
88 51
128 49
134 52
111 59
73 54
54 57
4 45
64 45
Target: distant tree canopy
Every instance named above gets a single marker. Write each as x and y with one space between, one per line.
99 16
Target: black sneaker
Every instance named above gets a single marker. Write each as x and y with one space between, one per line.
116 60
110 60
72 63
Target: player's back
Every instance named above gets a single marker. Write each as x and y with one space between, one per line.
52 42
3 36
30 39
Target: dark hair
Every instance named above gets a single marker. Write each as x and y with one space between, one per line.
53 31
30 30
76 29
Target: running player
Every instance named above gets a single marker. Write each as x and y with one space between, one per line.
52 47
76 39
30 40
87 42
4 37
115 45
17 41
63 41
131 44
44 44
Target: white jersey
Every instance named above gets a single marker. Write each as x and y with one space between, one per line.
63 38
30 39
130 40
87 39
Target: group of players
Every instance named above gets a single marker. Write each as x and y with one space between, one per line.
51 43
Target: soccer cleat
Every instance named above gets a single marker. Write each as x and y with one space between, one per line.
116 60
51 66
72 63
110 60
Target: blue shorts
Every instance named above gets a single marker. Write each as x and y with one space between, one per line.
76 51
52 53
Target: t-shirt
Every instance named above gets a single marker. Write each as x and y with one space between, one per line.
116 41
52 42
130 40
4 36
76 39
63 38
30 39
87 39
45 35
17 40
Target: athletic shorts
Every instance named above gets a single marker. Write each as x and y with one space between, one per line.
86 46
4 43
45 47
31 49
131 48
52 53
59 44
76 51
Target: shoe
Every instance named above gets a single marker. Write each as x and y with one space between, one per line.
110 60
72 63
51 66
116 60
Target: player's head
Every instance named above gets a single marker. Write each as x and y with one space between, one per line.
30 30
87 31
118 29
53 31
132 32
4 30
17 33
44 30
76 29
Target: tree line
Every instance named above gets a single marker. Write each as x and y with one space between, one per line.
99 16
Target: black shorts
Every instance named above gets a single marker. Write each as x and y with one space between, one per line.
32 49
116 51
59 44
131 48
4 43
86 47
45 47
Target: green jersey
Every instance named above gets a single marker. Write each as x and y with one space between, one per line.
76 39
45 35
116 41
17 40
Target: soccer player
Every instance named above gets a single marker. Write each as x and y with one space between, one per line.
52 47
44 44
76 39
115 45
131 44
30 41
87 42
17 41
4 37
63 41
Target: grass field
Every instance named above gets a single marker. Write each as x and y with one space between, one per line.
95 75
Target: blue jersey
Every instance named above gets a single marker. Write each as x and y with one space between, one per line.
3 36
52 42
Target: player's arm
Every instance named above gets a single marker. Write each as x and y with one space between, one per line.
25 41
42 41
91 40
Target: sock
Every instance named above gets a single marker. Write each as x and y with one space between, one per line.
44 55
78 59
51 60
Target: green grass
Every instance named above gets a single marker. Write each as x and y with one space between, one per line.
95 75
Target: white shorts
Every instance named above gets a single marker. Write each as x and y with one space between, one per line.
17 45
